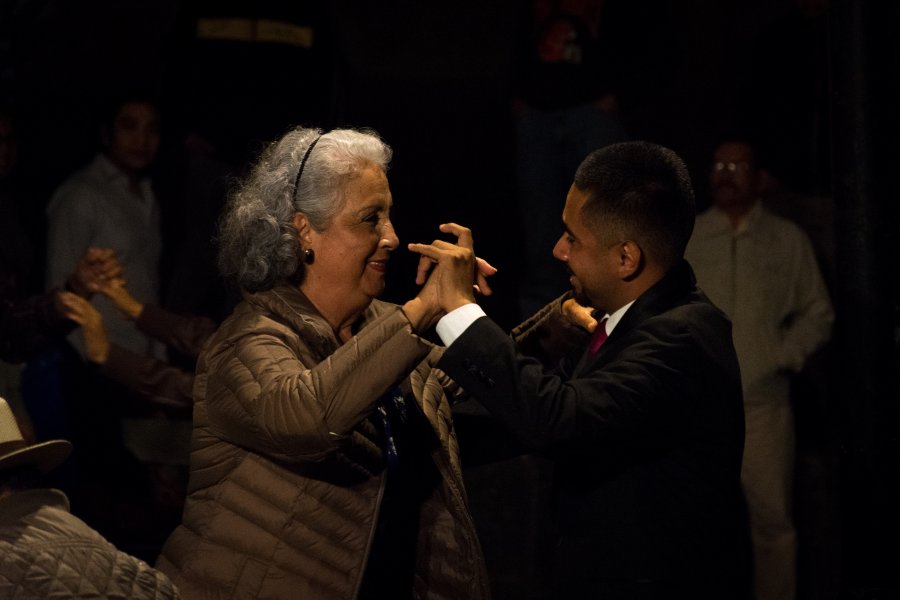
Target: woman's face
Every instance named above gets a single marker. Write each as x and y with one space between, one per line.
351 255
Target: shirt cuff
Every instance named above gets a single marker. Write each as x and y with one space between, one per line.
454 323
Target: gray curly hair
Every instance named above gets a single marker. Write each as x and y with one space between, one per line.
258 244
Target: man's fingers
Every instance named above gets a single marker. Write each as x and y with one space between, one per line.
112 270
485 268
463 234
72 306
70 299
425 265
579 315
95 254
482 287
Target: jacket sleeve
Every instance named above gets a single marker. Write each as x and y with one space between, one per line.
29 324
629 398
186 334
808 326
264 391
159 382
549 336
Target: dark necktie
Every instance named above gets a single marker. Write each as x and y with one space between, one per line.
599 336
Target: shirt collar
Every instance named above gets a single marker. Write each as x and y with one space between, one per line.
747 223
613 319
112 172
19 504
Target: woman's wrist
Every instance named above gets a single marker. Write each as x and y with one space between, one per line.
419 315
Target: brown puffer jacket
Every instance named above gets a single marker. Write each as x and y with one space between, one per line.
287 470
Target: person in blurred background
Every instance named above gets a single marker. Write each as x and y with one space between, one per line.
761 270
111 203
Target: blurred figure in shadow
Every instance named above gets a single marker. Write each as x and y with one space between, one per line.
161 383
47 551
20 230
786 98
33 326
761 270
112 202
166 387
566 105
21 265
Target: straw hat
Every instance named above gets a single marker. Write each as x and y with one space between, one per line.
14 452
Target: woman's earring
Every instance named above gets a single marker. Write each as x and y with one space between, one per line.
309 256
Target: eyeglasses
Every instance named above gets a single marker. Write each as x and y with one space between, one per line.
731 166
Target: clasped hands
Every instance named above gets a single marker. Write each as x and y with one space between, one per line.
450 275
98 271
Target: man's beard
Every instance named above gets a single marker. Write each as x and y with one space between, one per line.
579 296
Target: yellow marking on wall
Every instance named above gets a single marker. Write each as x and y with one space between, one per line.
256 31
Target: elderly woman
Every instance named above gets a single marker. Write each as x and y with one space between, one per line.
324 462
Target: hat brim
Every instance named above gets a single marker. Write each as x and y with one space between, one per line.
45 456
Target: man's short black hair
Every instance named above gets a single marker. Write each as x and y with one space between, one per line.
642 192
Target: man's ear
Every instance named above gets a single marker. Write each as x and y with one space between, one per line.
301 224
631 260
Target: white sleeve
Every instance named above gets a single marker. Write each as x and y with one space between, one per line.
454 323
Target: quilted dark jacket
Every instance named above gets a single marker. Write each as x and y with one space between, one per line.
287 467
46 552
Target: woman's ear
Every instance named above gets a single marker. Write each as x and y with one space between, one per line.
301 224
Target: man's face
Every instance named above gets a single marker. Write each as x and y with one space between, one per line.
592 263
134 139
733 179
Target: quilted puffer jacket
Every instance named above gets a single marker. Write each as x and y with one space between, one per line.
46 552
287 467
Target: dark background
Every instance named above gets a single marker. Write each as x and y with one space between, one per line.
436 81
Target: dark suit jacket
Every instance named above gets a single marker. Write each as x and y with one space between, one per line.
646 437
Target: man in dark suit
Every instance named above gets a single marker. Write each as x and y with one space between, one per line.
643 420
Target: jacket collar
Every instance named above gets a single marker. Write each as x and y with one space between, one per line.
292 306
18 504
675 285
108 170
748 223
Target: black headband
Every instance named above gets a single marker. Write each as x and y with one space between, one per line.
303 164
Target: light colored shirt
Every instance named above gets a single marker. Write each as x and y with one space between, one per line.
97 206
765 277
613 319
